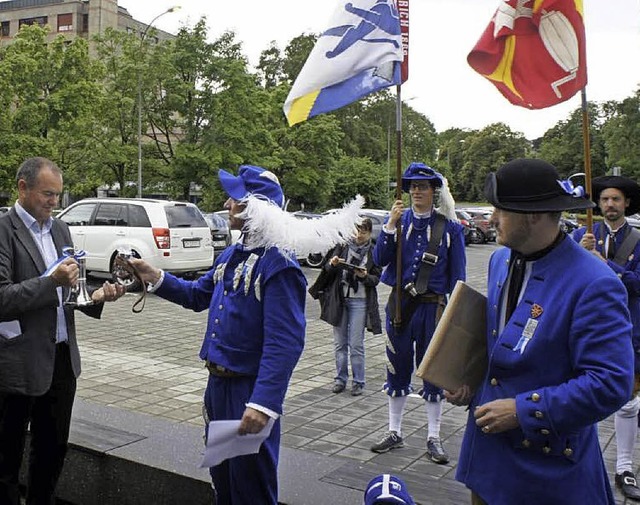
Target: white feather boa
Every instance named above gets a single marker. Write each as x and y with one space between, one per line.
266 225
446 203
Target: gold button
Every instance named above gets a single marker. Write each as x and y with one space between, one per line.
535 397
568 452
539 415
526 443
546 450
494 382
544 432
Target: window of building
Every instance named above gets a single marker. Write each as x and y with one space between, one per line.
40 20
85 23
65 22
4 29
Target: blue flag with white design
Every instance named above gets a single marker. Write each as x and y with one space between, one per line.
360 53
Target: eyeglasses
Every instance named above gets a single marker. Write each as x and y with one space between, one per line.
420 186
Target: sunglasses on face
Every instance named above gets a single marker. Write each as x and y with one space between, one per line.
420 186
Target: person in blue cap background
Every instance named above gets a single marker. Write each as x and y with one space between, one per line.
255 294
559 352
616 243
433 260
387 489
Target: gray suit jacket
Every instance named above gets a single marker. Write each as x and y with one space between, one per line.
27 361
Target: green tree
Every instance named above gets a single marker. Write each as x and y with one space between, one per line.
621 133
47 91
483 152
563 145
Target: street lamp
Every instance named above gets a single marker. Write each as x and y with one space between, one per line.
142 37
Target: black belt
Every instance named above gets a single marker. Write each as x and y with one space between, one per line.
220 371
430 298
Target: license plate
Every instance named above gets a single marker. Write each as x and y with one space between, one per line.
219 243
190 243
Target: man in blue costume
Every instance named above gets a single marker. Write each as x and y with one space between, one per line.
616 243
559 350
433 260
255 294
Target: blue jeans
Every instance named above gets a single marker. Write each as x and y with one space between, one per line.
348 340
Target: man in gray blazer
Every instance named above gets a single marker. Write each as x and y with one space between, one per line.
39 358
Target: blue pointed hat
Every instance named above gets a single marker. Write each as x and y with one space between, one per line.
252 181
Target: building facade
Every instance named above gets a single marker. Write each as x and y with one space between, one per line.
69 18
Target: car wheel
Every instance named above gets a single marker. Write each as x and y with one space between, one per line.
476 237
315 260
130 284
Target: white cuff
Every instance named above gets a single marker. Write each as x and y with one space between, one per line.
152 287
264 410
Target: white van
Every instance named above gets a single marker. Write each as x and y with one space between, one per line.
170 235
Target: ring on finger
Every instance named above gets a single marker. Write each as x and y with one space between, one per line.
486 429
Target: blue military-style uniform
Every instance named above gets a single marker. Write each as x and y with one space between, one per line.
449 268
255 332
565 356
629 274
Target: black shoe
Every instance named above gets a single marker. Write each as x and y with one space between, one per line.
338 387
626 481
390 441
357 389
436 452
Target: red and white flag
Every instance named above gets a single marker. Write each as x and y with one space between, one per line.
534 51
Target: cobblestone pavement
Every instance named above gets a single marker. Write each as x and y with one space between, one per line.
149 363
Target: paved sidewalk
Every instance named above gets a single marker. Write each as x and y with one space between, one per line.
148 363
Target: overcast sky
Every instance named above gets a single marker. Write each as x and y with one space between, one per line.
441 84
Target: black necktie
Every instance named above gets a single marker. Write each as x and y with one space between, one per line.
518 269
611 249
515 282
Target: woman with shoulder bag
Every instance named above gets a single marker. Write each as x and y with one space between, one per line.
349 302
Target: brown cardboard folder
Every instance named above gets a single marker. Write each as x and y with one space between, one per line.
457 353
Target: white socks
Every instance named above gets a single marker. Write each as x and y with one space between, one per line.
434 416
396 409
626 425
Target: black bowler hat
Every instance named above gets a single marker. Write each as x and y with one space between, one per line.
528 186
629 187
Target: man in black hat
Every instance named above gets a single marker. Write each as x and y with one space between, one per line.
615 242
559 352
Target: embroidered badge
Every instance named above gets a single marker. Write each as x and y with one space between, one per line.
536 311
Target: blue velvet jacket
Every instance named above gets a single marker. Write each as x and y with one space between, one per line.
256 324
451 265
576 369
629 274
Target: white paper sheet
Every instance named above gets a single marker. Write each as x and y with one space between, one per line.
223 442
10 329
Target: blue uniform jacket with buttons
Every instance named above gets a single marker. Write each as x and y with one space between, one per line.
576 369
629 274
451 264
256 324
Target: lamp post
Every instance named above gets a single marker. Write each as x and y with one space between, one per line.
142 37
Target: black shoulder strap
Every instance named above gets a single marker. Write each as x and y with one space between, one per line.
430 258
628 245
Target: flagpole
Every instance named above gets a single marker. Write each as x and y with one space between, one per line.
586 139
397 321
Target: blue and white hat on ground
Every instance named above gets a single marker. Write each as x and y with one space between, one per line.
387 489
252 181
